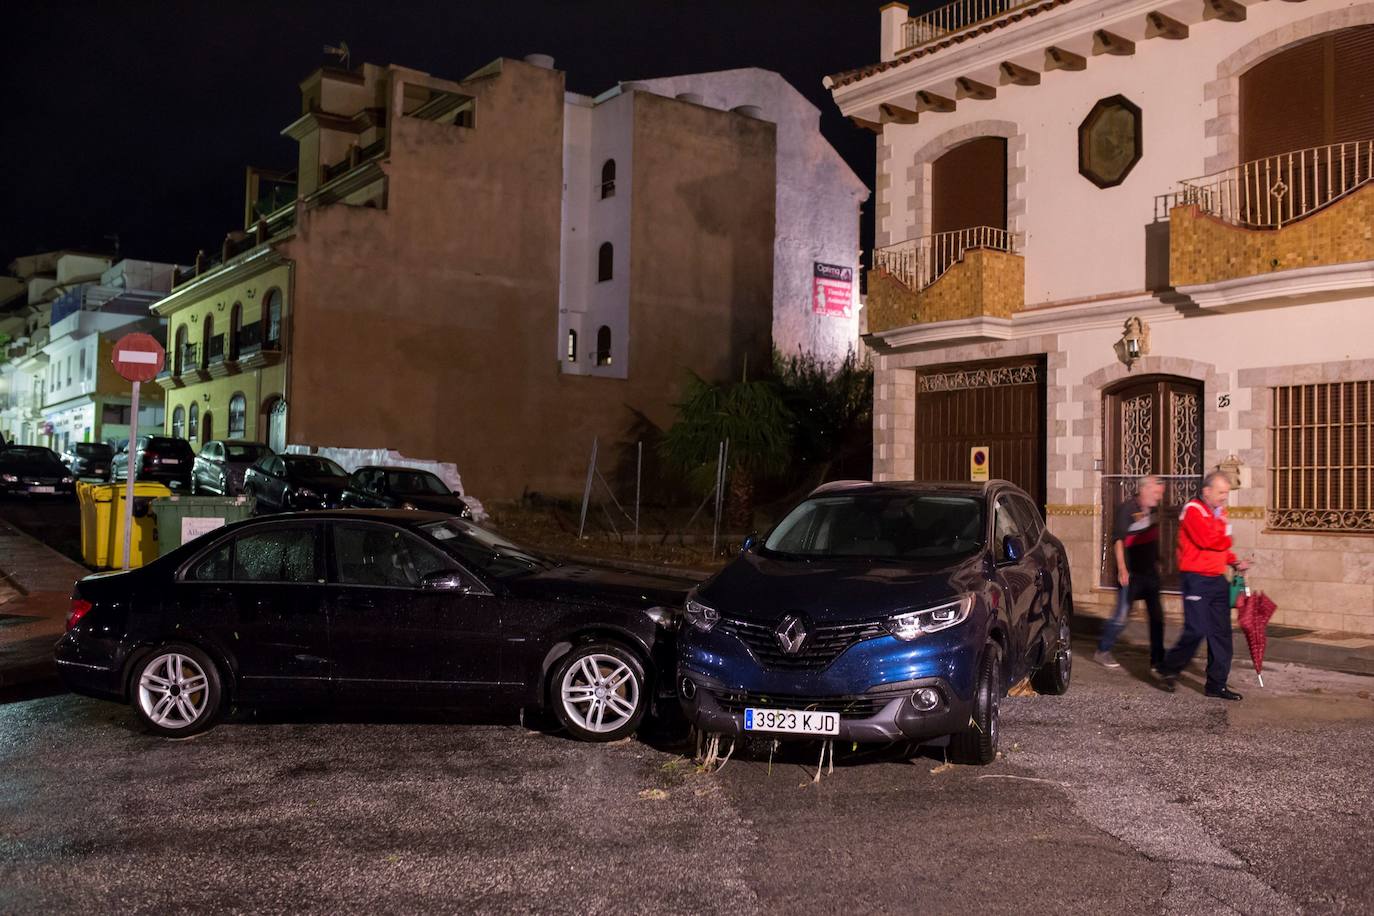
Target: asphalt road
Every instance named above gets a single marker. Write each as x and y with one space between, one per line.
1115 798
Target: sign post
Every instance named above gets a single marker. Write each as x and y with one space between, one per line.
137 358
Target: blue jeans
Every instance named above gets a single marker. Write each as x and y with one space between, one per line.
1143 586
1206 615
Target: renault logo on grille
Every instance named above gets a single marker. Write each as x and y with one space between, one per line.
791 633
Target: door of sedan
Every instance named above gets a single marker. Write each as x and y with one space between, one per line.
407 623
259 596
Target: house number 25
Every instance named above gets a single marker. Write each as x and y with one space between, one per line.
1223 401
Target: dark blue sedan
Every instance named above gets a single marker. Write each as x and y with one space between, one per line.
882 612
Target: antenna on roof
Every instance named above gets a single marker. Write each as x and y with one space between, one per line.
341 52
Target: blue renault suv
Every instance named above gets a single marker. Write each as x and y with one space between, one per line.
882 612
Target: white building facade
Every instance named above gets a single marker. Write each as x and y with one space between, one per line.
1117 238
816 302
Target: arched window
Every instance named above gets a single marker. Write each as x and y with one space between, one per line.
207 429
179 422
605 262
179 351
572 345
238 416
603 346
608 179
231 347
193 421
207 334
271 320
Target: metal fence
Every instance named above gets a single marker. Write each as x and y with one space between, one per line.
1116 489
1268 193
955 17
919 262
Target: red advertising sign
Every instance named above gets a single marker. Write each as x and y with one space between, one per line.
138 357
832 290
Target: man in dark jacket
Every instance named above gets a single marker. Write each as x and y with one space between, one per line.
1135 542
1204 553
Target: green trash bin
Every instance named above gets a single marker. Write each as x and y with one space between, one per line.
182 518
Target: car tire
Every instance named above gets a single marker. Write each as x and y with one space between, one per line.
1052 678
176 691
599 692
977 744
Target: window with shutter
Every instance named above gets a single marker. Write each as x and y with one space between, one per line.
969 186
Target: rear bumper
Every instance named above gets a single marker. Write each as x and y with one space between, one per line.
86 673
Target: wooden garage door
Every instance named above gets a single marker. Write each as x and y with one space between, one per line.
998 405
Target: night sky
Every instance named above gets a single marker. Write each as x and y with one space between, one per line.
136 119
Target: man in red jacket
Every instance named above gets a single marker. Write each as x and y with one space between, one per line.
1204 553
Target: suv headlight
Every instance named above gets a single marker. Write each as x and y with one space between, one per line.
912 624
665 617
700 616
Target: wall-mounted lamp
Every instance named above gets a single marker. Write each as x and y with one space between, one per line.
1134 342
206 397
219 306
252 292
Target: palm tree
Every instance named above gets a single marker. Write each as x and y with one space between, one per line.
755 421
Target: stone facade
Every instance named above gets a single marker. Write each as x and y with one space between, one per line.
1203 249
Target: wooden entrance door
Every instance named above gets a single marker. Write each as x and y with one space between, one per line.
1152 426
999 405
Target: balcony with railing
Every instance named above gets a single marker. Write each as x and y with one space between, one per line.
954 18
967 273
186 359
1302 209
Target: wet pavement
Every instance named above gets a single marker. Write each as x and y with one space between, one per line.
1113 798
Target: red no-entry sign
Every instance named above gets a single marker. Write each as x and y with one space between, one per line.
139 357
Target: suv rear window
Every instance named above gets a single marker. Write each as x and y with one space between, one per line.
93 450
168 444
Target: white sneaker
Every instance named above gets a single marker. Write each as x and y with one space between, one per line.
1105 660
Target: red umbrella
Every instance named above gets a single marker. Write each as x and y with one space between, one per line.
1253 611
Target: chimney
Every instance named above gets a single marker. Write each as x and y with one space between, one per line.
542 61
894 17
694 97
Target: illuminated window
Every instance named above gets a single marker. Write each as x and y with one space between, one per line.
572 346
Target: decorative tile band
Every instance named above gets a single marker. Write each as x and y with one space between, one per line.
1071 509
1246 512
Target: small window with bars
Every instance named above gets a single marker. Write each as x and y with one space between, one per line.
1322 459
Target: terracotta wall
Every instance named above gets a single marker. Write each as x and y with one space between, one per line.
426 327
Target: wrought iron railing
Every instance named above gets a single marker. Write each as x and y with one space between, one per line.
249 341
921 261
216 352
955 17
1271 192
186 359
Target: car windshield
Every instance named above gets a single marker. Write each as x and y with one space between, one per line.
485 550
886 526
93 450
27 454
416 482
312 466
239 451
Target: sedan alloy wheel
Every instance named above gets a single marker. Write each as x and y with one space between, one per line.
600 692
177 691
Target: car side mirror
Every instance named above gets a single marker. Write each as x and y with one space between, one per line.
445 580
749 542
1012 548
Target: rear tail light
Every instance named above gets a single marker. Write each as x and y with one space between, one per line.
79 609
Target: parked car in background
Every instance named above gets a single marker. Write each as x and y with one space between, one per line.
160 458
31 470
221 464
90 459
377 487
881 612
282 483
394 608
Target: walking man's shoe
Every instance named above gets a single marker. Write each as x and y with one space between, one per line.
1167 682
1225 693
1105 660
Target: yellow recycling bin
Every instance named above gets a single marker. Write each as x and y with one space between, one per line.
143 545
94 502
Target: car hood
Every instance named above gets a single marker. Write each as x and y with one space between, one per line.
756 587
321 484
598 584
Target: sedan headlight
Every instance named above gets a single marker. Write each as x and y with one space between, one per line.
700 616
9 478
69 480
912 624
